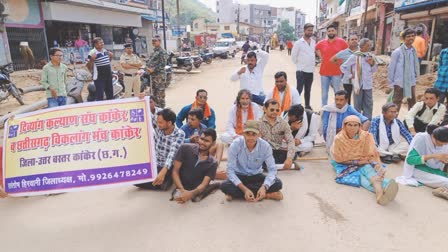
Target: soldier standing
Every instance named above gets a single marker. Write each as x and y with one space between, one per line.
156 68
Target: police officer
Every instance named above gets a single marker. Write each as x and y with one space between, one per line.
130 63
156 67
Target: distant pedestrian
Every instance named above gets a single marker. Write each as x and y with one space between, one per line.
420 44
442 76
54 79
99 62
329 72
82 47
289 45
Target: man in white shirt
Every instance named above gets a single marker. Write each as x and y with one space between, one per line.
243 110
251 76
303 55
283 93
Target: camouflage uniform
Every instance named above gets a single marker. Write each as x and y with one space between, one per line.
158 62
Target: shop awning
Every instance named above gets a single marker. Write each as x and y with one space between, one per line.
109 5
92 14
328 22
406 7
155 19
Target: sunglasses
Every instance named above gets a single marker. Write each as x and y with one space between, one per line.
274 110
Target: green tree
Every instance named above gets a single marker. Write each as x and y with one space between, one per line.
189 10
285 31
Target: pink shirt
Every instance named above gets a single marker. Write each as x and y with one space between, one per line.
80 43
328 50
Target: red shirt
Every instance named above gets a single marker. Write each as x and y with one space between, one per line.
289 45
328 50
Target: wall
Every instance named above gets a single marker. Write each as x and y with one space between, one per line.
397 27
224 9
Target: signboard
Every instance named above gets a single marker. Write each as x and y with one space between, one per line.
82 146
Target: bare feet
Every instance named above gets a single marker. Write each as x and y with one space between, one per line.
221 175
275 196
228 197
441 192
390 192
3 194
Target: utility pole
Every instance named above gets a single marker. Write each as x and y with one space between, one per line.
365 19
163 23
178 26
317 13
238 23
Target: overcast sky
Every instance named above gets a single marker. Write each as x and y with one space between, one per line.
307 6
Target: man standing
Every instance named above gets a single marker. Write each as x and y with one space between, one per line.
245 49
200 102
156 68
168 139
289 45
442 75
342 57
276 131
54 79
244 168
420 44
194 169
81 45
283 93
303 55
131 64
330 74
359 68
99 61
403 70
387 131
251 76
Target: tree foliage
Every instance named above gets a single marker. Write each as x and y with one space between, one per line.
285 31
189 10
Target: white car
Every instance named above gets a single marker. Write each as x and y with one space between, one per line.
225 48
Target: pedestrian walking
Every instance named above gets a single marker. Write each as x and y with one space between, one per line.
289 45
54 79
156 68
303 55
330 74
442 76
131 63
99 64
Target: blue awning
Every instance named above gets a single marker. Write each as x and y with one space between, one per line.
156 19
420 5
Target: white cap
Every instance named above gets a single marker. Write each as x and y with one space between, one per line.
24 43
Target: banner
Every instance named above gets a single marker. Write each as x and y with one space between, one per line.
79 146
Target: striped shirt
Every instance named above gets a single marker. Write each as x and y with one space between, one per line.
102 58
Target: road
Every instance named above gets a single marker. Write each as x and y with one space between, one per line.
316 215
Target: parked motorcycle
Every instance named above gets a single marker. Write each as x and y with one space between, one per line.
117 89
185 63
120 76
207 57
8 88
75 85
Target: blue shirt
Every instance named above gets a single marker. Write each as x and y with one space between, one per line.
189 131
241 161
442 75
340 118
183 115
366 71
396 67
375 129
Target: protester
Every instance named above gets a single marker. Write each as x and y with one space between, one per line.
131 63
442 76
251 76
54 79
304 57
387 131
334 114
200 102
289 45
193 128
99 61
426 159
304 126
403 70
276 131
245 49
359 68
428 111
342 57
283 93
420 44
194 169
244 168
168 139
154 110
156 67
357 162
241 111
329 72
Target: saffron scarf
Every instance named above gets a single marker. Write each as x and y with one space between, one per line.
207 111
286 104
239 118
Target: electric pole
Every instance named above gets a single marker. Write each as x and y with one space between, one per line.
164 25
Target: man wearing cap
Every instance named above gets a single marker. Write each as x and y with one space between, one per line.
246 156
156 68
130 63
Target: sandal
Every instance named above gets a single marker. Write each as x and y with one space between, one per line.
441 192
390 192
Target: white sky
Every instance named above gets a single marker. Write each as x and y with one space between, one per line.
307 6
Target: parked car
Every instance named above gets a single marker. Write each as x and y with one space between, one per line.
225 48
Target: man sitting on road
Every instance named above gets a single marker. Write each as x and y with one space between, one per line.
200 102
387 131
194 169
334 114
283 93
243 110
168 139
304 128
244 168
429 111
276 131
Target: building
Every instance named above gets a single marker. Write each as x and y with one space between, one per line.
288 14
300 22
225 11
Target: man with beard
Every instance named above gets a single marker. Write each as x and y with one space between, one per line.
243 109
200 102
283 93
303 55
330 74
251 76
194 169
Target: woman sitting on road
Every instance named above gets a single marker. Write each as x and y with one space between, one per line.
357 161
426 160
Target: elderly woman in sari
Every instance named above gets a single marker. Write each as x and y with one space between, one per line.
357 162
426 160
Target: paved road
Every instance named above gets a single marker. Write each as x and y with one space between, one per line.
316 215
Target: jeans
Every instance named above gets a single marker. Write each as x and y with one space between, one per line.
252 182
326 81
258 99
364 102
304 79
102 86
56 102
349 89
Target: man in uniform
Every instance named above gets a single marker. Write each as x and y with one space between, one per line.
156 68
130 63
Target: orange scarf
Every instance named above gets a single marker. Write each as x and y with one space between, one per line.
239 118
286 99
207 111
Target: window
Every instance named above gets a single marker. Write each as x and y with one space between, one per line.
196 26
217 3
227 28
